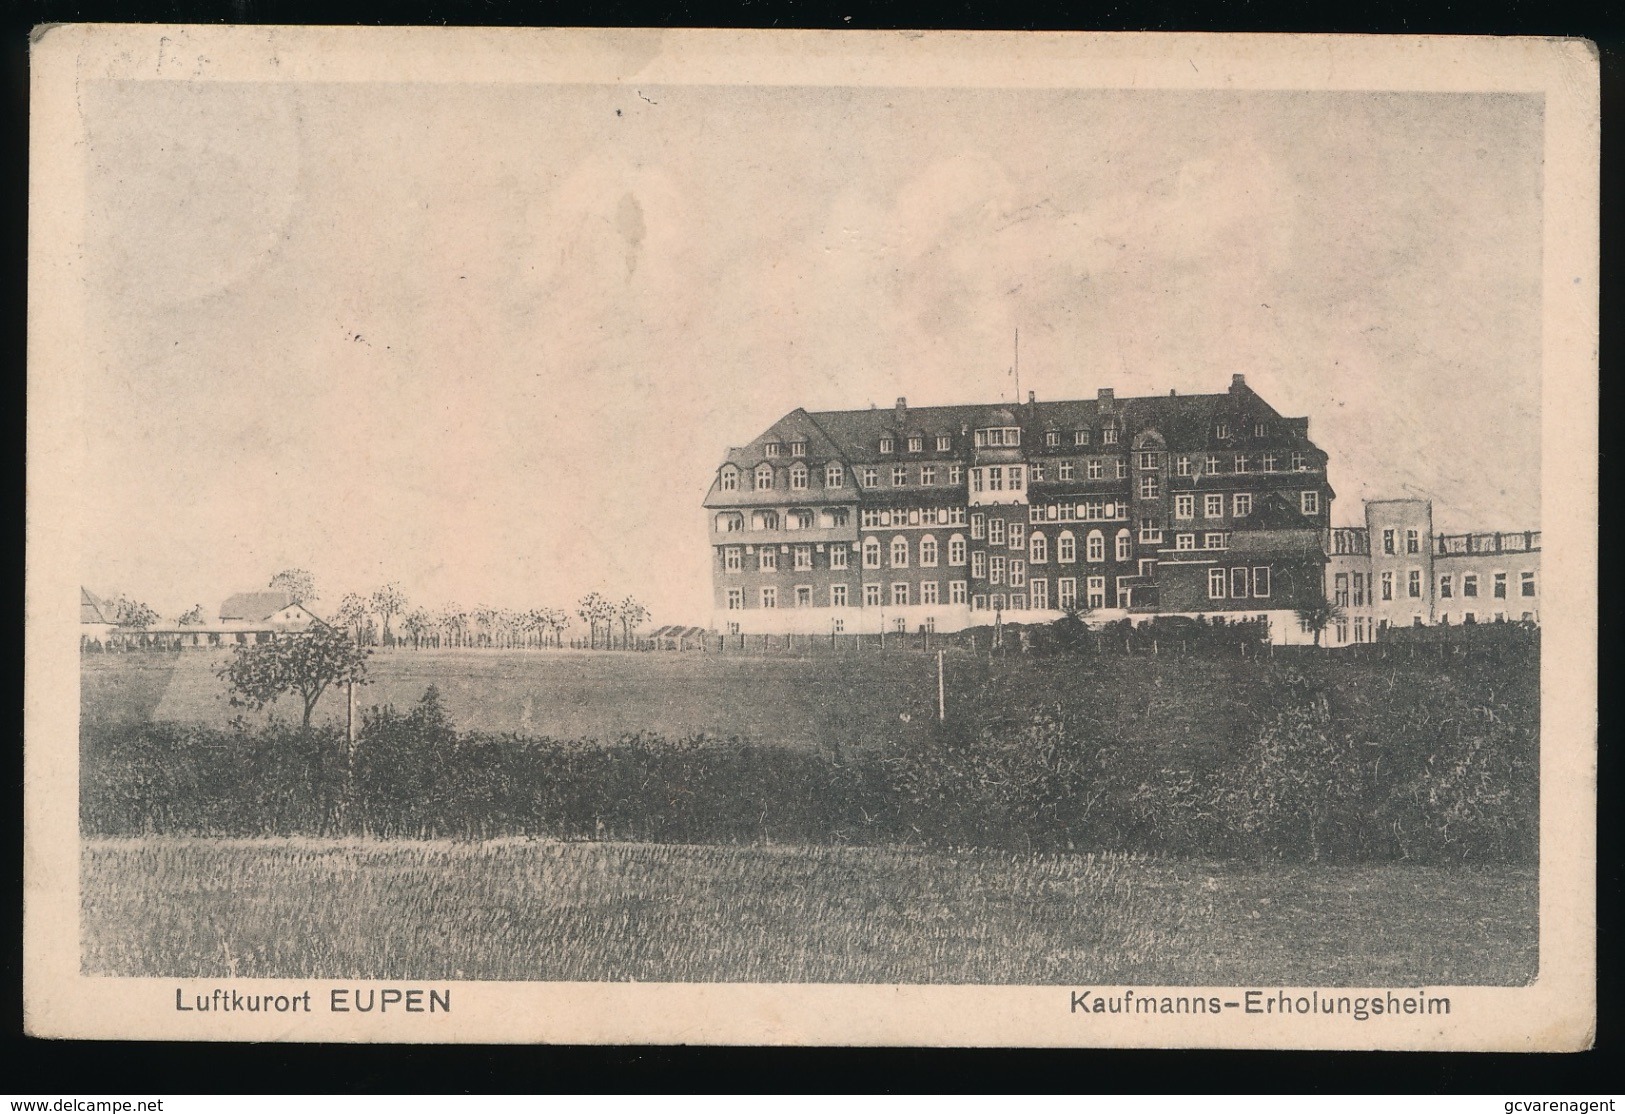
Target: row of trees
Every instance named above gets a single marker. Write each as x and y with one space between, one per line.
386 617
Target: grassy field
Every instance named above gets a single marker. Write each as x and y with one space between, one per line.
561 694
539 911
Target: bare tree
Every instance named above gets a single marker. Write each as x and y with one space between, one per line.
632 615
299 584
133 614
453 623
594 610
418 624
557 621
353 614
389 601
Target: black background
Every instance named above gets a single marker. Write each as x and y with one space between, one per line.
63 1068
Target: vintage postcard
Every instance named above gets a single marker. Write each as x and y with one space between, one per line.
830 538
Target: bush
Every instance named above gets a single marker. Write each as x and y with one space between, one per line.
1319 756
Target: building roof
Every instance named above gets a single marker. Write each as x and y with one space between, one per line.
253 606
853 437
94 609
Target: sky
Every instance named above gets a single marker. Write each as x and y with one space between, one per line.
491 342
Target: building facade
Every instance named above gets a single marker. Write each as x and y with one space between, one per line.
945 517
1395 571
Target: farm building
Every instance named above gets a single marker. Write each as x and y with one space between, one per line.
243 618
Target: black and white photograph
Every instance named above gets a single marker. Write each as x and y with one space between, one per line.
741 537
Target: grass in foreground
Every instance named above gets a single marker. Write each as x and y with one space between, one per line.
538 911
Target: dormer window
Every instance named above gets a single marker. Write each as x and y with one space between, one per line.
1052 439
1080 436
764 477
997 437
798 477
871 477
1222 431
887 444
772 448
834 474
944 442
798 448
1261 429
1108 436
730 478
916 444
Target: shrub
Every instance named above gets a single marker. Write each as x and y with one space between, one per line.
1305 757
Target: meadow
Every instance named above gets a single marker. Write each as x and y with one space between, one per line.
542 911
1307 819
558 693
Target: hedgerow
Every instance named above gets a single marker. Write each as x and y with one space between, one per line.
1303 756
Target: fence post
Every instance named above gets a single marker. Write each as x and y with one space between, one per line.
942 705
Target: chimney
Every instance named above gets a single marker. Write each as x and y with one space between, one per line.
1237 382
902 411
1032 398
1172 393
1107 394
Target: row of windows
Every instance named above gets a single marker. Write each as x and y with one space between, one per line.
800 557
1498 585
930 593
1389 585
994 478
995 437
1211 464
1365 630
1390 541
1213 539
1094 510
830 518
928 552
840 595
997 532
764 476
873 517
1241 504
1088 510
1239 583
916 443
1067 470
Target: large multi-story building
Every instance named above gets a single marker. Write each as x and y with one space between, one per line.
944 517
1395 571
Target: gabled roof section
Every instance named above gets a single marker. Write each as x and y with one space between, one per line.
253 606
94 609
797 425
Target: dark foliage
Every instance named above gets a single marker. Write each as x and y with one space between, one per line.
1431 757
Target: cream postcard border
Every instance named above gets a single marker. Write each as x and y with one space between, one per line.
1556 1012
